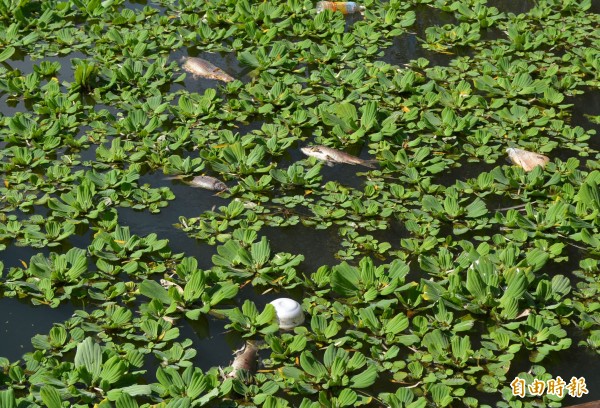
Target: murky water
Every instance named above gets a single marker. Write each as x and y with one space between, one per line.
214 344
20 321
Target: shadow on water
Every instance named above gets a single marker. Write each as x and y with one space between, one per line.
21 320
10 106
584 105
407 47
17 254
515 7
574 362
463 171
213 343
318 246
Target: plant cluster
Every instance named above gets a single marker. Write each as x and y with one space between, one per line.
446 254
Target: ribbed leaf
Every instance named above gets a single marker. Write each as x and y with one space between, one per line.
194 288
133 390
196 386
50 397
154 290
89 356
517 284
7 53
440 394
561 285
222 292
347 398
364 379
113 370
345 280
7 399
475 285
310 365
248 59
397 324
126 401
260 252
369 115
476 209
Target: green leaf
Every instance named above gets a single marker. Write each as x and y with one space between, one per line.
517 284
248 59
260 252
126 401
226 291
440 394
133 390
397 324
364 379
194 288
369 115
311 366
154 290
7 53
561 285
476 209
475 285
267 316
89 356
113 370
347 398
345 280
50 396
178 402
7 399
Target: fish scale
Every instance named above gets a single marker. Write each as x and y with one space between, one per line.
331 155
202 68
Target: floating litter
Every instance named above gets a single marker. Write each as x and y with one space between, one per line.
289 313
525 159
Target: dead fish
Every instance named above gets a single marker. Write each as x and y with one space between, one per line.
205 182
202 68
167 284
331 156
245 359
525 159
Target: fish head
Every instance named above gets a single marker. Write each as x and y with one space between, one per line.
512 153
309 149
219 186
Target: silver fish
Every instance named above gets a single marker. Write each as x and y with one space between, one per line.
167 284
245 359
202 68
525 159
331 156
205 182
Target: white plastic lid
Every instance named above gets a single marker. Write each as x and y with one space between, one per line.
289 313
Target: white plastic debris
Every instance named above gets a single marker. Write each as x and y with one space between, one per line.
289 313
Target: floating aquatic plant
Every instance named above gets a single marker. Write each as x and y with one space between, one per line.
448 280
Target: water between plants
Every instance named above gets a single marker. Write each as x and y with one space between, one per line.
21 320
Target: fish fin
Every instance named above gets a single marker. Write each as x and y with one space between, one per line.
218 193
370 163
329 163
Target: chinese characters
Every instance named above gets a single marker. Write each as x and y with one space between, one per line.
556 386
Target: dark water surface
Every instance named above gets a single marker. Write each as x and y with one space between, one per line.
20 320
